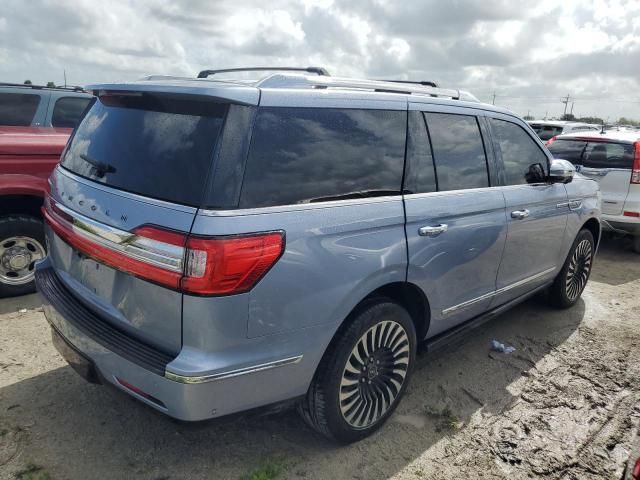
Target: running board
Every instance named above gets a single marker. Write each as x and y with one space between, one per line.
445 338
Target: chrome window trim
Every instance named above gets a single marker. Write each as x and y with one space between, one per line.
468 303
188 379
299 206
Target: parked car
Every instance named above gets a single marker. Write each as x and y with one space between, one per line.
40 106
35 123
613 160
217 246
551 128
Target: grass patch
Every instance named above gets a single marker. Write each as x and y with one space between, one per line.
33 472
269 470
445 419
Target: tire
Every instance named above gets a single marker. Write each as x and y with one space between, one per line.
572 279
636 243
21 245
369 397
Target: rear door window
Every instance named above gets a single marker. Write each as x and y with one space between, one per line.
18 109
608 155
420 175
518 151
303 155
458 151
68 110
570 150
154 145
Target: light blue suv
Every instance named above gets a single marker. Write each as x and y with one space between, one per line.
221 245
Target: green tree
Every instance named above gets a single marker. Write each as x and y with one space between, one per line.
569 117
628 121
51 84
528 117
28 82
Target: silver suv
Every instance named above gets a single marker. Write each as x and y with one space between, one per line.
216 246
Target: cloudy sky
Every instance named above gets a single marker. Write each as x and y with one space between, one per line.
530 54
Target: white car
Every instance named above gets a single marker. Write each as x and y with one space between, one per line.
613 159
551 128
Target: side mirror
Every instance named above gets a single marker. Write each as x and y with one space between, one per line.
562 171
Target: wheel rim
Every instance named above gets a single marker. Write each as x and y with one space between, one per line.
18 256
579 268
374 374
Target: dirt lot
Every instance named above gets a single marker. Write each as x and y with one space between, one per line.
563 406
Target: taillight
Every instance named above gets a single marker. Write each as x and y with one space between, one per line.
550 141
198 265
635 172
635 474
225 265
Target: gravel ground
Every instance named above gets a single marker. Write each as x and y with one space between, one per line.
565 405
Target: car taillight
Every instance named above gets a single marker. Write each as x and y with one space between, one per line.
635 172
550 141
198 265
224 265
635 475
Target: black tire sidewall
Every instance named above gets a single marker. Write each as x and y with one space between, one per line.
369 317
23 226
559 288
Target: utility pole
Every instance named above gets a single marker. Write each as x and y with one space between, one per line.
493 102
571 112
565 100
65 78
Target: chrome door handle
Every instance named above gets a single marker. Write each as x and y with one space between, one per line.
520 214
433 231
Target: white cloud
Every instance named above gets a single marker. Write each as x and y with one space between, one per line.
530 55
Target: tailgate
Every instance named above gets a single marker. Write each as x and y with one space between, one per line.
147 311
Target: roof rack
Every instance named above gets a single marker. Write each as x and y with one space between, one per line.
305 81
73 88
426 83
317 70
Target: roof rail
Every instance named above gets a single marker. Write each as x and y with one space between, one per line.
305 81
73 88
317 70
426 83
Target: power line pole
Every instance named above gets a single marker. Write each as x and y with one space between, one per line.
65 78
565 100
493 102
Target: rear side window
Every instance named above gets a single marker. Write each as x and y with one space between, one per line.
570 150
18 109
458 151
420 176
608 155
518 150
301 155
67 111
154 145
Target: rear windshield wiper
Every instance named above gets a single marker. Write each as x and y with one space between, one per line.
101 167
361 194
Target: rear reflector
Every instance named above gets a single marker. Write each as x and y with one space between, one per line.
635 173
550 141
142 393
222 265
632 214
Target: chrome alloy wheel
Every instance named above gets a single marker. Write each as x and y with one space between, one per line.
579 268
18 256
374 374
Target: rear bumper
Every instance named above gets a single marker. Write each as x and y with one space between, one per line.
134 364
621 223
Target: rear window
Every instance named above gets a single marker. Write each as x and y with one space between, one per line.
153 145
594 154
608 155
570 150
18 109
68 110
301 155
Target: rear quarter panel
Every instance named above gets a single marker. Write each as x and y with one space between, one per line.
588 192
